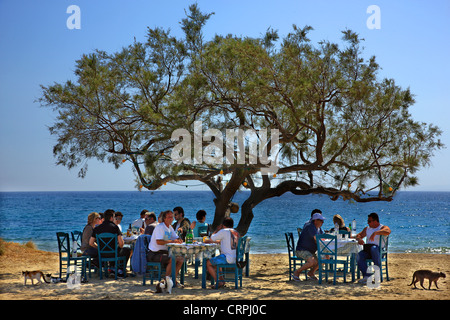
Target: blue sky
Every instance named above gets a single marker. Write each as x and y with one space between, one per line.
36 47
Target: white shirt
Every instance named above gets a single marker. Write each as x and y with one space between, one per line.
369 232
228 245
161 232
137 223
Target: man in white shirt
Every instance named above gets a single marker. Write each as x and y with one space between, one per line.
139 223
228 239
371 248
158 250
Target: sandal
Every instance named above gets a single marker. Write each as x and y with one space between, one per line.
221 285
312 277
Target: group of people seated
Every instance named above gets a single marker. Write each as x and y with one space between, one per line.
148 221
163 231
307 245
103 223
166 233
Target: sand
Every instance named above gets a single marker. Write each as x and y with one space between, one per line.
268 280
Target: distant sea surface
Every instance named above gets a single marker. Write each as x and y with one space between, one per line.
420 221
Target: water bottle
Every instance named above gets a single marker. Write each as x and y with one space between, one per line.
336 229
354 227
74 249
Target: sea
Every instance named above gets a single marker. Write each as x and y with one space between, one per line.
420 221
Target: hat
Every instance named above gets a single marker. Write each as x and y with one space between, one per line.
317 216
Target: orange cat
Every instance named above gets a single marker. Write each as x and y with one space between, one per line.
35 275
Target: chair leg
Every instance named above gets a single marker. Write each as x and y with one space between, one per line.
100 270
335 274
381 272
196 265
387 271
218 276
320 274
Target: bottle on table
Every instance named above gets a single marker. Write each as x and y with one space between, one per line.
74 249
354 227
189 237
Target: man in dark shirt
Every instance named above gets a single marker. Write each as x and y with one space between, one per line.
108 226
182 224
307 246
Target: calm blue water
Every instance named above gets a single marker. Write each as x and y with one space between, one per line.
419 221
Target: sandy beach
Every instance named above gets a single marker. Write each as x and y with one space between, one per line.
268 280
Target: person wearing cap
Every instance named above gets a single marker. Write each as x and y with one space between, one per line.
307 246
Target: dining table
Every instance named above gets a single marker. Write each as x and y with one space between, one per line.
193 251
129 241
348 247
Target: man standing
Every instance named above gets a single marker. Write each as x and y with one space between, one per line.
108 226
307 246
371 250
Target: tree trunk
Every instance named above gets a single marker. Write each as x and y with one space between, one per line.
257 195
223 199
246 217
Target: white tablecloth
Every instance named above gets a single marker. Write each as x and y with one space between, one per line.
346 247
198 250
130 239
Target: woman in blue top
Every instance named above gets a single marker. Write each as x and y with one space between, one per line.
201 217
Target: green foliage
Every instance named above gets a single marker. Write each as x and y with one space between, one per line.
344 132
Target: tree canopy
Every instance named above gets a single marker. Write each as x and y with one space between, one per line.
342 131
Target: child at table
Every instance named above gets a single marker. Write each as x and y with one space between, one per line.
201 218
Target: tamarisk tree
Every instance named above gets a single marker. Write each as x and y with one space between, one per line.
341 130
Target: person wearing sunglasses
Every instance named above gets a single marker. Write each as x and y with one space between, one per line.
371 248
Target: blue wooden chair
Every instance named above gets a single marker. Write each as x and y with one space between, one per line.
76 236
383 245
108 252
202 231
66 259
294 261
232 272
327 255
153 269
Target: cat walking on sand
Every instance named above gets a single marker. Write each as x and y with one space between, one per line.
421 275
35 275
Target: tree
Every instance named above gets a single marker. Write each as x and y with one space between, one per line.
342 131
